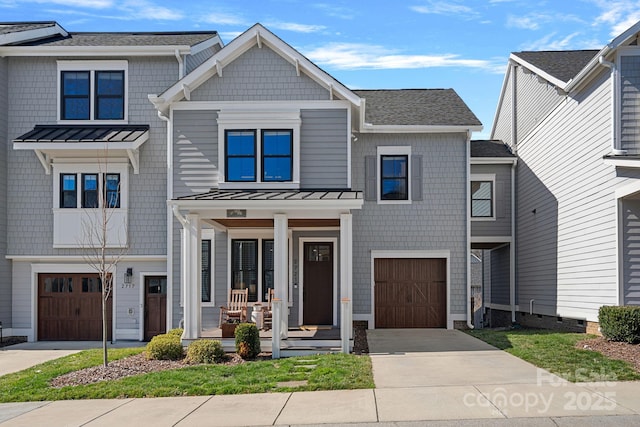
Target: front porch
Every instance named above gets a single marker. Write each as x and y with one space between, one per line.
300 341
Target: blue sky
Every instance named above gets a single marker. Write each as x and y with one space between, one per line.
372 44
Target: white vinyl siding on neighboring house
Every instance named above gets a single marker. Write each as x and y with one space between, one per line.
566 243
629 133
503 119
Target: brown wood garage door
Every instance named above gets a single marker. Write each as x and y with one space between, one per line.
410 293
70 307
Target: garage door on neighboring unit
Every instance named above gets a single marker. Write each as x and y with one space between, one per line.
70 307
410 292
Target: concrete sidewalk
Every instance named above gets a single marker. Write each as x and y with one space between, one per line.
442 376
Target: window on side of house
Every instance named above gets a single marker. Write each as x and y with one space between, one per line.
394 177
277 155
482 199
109 95
240 154
93 90
112 190
244 266
206 271
76 94
68 190
89 190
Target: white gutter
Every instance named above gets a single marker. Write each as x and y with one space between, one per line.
180 64
93 50
371 128
616 148
468 203
514 111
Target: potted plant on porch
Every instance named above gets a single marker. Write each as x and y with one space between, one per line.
229 328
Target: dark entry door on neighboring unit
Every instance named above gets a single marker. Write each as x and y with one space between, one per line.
70 307
318 283
155 306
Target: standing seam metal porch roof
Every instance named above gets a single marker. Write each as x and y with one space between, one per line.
261 195
84 133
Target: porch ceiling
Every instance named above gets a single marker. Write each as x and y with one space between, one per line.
268 223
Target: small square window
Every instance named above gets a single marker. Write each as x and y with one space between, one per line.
112 190
394 179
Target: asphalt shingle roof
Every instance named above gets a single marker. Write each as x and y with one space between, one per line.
126 39
563 65
425 107
490 148
15 27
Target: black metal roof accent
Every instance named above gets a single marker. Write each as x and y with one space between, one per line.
490 148
416 107
563 64
224 195
83 133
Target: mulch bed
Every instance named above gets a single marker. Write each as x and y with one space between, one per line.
615 350
7 341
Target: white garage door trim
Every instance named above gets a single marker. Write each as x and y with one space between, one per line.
410 254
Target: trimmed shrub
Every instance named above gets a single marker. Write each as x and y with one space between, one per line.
176 331
247 340
204 351
620 323
165 347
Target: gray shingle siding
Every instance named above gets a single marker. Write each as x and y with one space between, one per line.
502 224
195 152
324 138
260 74
193 61
32 100
436 223
5 267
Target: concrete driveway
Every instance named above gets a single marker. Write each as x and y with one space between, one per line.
442 357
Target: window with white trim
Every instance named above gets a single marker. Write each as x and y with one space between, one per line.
259 149
92 91
252 263
483 199
93 185
394 174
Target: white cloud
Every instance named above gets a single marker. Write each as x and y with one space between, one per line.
523 22
227 36
127 10
142 9
445 8
335 11
353 56
292 26
570 42
90 4
222 18
618 14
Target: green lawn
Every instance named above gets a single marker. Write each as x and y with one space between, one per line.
556 352
322 372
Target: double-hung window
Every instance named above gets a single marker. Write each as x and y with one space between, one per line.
92 90
275 153
483 197
394 177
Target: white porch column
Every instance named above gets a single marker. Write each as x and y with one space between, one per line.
191 276
346 266
280 268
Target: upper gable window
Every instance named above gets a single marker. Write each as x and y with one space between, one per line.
92 90
260 149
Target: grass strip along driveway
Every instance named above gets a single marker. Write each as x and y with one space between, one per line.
319 372
557 353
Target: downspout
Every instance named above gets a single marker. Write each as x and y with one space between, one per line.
512 246
616 148
180 64
468 210
514 123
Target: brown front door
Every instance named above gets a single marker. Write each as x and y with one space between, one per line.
155 306
318 283
70 307
410 293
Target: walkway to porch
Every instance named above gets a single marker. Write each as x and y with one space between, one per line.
299 341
